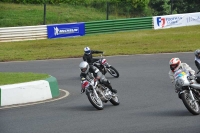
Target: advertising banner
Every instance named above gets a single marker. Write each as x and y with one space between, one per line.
66 30
177 20
193 19
168 21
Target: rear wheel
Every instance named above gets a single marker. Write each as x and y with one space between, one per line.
113 72
95 101
115 100
192 106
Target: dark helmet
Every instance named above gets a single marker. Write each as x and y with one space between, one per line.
197 53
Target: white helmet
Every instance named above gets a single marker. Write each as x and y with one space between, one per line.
84 67
87 50
175 64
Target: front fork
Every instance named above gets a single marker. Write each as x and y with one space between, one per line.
92 90
191 94
106 67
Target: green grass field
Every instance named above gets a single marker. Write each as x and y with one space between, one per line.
12 15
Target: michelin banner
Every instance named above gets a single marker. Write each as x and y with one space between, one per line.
177 20
66 30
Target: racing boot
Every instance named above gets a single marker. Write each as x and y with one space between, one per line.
110 87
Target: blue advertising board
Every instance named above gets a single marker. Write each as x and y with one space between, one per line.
66 30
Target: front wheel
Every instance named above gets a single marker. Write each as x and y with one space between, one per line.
192 106
95 101
113 72
115 100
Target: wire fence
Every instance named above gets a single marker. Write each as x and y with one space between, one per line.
27 15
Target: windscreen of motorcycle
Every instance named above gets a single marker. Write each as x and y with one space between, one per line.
181 78
180 74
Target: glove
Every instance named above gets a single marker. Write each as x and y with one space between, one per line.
82 90
83 85
96 79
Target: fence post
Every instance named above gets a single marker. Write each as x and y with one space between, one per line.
44 19
107 10
171 6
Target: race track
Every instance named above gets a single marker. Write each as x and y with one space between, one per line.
148 101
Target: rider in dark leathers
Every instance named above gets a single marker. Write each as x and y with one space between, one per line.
92 72
197 58
88 55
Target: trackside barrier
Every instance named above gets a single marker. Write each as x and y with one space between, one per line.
29 92
23 33
118 25
66 30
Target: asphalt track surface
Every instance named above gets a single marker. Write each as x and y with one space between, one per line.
148 102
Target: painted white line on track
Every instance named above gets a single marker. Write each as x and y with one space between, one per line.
40 102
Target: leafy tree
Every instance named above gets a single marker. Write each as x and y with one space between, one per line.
160 7
186 6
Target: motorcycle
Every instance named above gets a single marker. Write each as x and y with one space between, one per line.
104 67
98 93
188 91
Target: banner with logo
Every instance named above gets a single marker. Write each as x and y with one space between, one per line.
66 30
177 20
193 19
168 21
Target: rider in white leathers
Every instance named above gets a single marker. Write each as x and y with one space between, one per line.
175 64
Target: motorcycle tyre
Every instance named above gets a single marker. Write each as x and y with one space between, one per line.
187 105
111 67
91 101
115 102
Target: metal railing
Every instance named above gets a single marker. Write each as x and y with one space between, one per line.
118 25
9 34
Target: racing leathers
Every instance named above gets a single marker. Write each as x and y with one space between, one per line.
186 67
197 63
182 66
94 73
88 57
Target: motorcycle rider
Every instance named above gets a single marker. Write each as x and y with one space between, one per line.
197 58
176 64
92 72
88 55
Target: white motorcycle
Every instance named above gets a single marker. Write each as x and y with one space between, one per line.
98 93
188 91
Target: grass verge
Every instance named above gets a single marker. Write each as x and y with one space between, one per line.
20 77
183 39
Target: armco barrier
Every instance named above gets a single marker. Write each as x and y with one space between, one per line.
29 92
23 33
118 25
